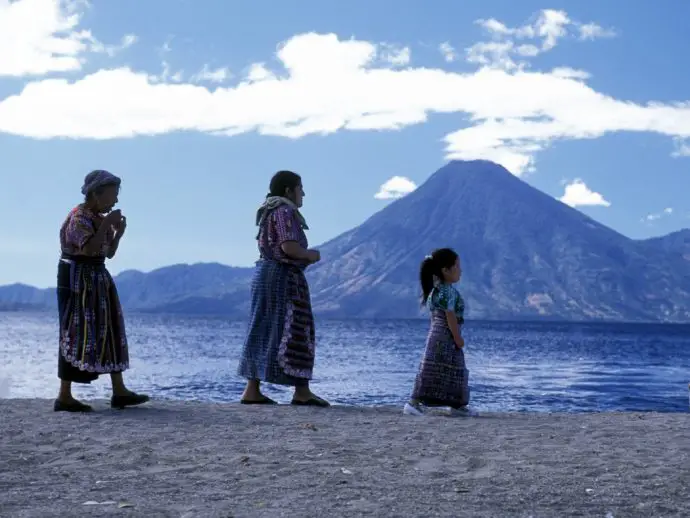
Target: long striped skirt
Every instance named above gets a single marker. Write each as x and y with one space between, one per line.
280 346
442 380
92 329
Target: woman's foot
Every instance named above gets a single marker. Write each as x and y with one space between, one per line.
70 405
414 409
305 397
252 395
127 398
312 401
257 400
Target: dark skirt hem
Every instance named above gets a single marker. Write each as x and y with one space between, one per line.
68 372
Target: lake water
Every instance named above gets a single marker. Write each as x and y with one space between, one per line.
542 367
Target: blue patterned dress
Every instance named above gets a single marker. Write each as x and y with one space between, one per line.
442 380
280 346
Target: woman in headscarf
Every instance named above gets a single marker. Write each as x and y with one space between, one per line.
92 329
280 344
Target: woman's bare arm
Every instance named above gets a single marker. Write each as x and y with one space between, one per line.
293 250
113 247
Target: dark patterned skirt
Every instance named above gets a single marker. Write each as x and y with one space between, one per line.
92 329
280 345
442 380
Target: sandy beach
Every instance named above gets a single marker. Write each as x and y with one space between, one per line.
190 459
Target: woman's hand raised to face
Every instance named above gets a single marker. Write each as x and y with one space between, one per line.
121 226
113 218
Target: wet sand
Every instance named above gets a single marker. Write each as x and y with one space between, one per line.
191 459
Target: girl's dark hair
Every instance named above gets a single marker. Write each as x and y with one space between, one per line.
283 180
432 266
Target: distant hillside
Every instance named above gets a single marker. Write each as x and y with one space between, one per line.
525 255
676 244
197 288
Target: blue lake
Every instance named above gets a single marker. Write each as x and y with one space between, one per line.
538 367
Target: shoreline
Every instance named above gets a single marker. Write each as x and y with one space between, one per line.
546 320
175 458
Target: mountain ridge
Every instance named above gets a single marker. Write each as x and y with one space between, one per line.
526 256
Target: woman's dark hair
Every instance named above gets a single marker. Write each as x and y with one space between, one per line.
432 266
98 191
283 180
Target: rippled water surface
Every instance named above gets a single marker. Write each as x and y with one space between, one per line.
513 366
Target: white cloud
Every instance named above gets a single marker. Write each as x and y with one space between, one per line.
570 73
577 194
546 29
395 187
167 75
324 85
395 56
111 50
207 74
527 50
682 148
259 72
495 27
492 53
38 37
658 215
592 31
448 52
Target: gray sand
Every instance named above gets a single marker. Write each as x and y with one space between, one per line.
209 460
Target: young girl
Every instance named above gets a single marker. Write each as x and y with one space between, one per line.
442 380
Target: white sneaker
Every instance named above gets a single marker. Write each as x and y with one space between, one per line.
463 412
412 410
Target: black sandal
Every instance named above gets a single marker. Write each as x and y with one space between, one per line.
76 406
312 401
263 401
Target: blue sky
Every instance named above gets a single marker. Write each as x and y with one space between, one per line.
196 108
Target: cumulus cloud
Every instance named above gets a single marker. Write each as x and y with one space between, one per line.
395 56
592 31
570 73
38 37
321 85
544 32
207 74
577 194
447 51
395 187
111 50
